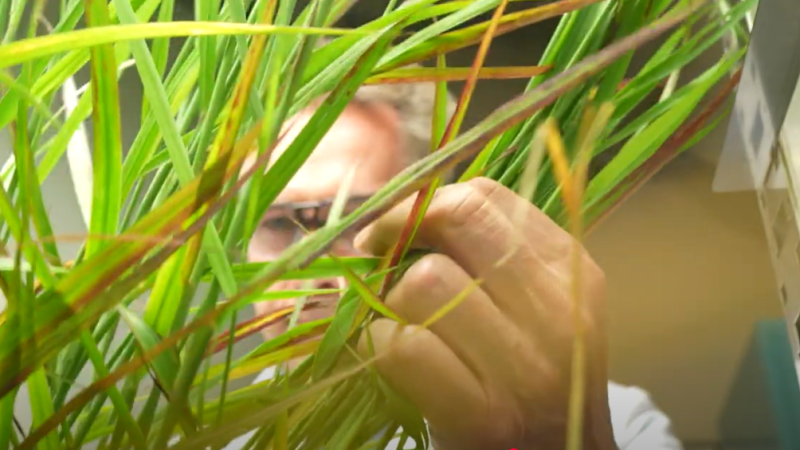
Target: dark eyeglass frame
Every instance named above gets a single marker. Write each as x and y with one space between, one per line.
297 210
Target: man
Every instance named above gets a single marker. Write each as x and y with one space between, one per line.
494 372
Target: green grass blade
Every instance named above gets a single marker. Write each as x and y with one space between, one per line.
686 136
645 143
425 74
630 18
102 270
206 11
471 10
699 42
42 406
160 48
157 96
25 92
147 141
296 154
15 11
30 201
340 329
329 53
99 288
703 132
656 111
41 402
5 10
467 36
7 420
181 162
107 155
47 81
30 49
165 297
370 297
426 194
221 151
166 365
121 408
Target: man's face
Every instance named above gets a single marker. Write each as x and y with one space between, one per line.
364 143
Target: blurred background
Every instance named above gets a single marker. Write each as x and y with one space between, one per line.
688 269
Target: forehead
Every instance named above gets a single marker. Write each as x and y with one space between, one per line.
364 143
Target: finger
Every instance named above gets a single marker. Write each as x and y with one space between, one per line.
424 370
475 329
459 206
470 223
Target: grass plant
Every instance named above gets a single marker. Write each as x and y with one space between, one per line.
168 217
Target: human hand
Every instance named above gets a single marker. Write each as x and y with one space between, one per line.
493 373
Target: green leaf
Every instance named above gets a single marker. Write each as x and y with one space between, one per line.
16 10
169 207
336 335
660 108
41 406
334 51
47 81
471 10
160 48
165 365
345 434
121 408
17 228
297 331
645 143
166 296
25 92
688 51
178 89
107 154
157 96
631 17
32 48
406 414
296 154
322 267
464 37
7 420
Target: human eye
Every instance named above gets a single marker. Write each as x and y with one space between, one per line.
278 223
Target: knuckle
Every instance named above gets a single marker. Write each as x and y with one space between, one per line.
405 345
463 204
424 277
411 346
485 185
380 335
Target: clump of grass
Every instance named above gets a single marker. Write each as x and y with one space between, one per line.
168 216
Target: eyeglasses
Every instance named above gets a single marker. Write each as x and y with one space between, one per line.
285 223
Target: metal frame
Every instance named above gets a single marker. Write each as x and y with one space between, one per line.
762 148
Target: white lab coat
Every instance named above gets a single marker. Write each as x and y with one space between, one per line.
637 423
